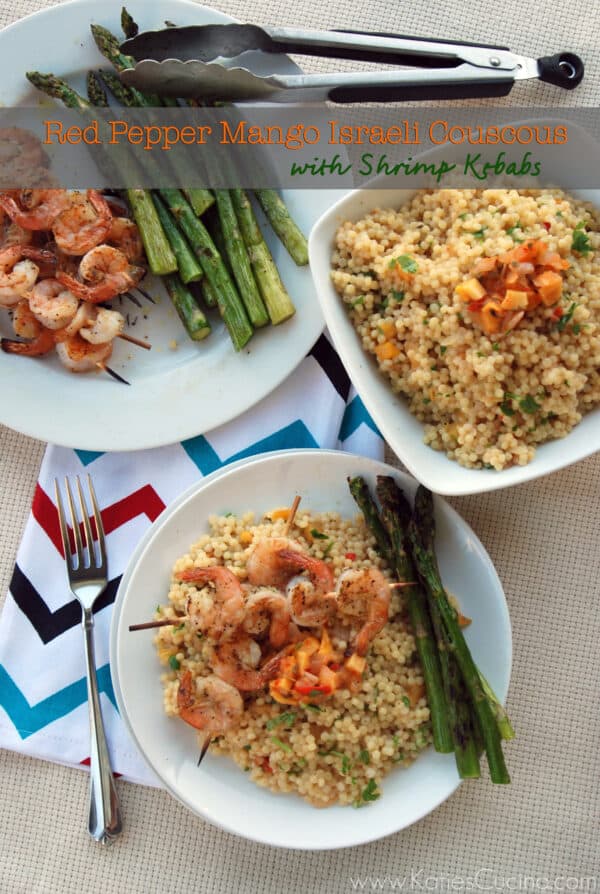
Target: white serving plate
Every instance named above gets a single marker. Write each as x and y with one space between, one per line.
402 431
219 791
174 394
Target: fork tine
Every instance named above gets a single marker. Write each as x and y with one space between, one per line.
99 525
89 540
62 523
76 533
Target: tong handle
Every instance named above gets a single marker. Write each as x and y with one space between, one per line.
562 70
407 92
456 43
313 44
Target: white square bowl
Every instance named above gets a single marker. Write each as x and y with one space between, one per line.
402 431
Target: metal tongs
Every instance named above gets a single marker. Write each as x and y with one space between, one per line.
208 61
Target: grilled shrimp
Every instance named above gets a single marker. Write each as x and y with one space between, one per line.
52 304
363 597
83 224
18 273
78 355
15 235
104 327
42 343
310 598
107 271
24 322
265 567
236 661
125 236
267 612
220 613
39 208
208 703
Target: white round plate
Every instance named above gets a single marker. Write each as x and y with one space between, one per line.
219 791
174 394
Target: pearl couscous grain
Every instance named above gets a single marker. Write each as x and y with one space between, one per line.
339 751
487 402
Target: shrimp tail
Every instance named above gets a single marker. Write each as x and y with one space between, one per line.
43 344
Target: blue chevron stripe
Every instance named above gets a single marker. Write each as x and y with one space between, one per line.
206 458
88 456
29 719
355 415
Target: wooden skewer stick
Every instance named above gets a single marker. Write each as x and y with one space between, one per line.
291 516
112 373
163 622
135 341
204 749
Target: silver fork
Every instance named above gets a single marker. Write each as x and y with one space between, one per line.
87 579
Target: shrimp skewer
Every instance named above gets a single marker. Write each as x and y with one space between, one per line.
18 272
220 614
44 207
364 595
83 224
108 274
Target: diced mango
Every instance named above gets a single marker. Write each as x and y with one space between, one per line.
470 290
388 328
245 538
491 317
549 286
514 300
387 350
356 664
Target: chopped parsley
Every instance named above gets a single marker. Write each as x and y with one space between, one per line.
283 745
406 701
228 514
318 535
566 317
511 231
506 408
464 215
364 756
174 663
369 793
181 627
477 234
495 346
285 719
313 708
346 765
426 400
158 609
297 767
581 241
357 301
397 296
528 404
247 747
328 549
406 262
488 466
443 349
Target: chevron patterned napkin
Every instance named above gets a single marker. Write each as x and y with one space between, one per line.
42 673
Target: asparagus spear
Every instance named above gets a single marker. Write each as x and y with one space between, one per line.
395 513
128 24
230 304
280 219
189 268
421 534
239 261
108 44
276 298
196 324
160 257
366 504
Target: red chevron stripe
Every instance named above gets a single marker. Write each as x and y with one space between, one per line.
86 762
144 501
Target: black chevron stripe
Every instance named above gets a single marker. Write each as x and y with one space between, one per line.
327 358
48 624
